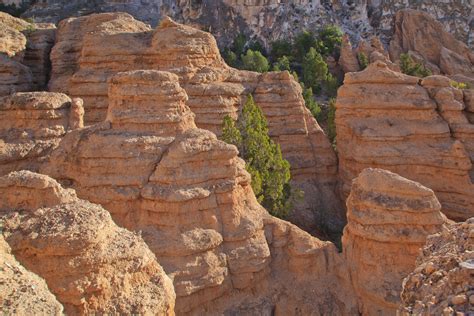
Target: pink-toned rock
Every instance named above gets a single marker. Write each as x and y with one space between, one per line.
90 264
31 126
389 218
348 59
110 43
190 196
388 120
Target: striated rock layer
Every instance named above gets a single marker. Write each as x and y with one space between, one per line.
419 130
90 264
190 196
389 218
23 292
24 54
109 43
442 281
32 124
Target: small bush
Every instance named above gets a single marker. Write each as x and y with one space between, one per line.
363 60
331 120
302 44
409 67
310 103
460 85
330 38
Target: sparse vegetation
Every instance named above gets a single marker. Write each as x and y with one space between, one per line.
410 67
264 161
363 60
331 121
255 61
460 85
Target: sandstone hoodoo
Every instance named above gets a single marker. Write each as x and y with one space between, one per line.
140 169
389 219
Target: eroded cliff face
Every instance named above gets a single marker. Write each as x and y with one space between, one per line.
190 196
271 20
88 262
109 43
32 125
418 129
389 219
24 54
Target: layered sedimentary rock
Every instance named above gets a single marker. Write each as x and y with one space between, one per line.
23 292
215 90
419 130
190 196
389 218
441 284
24 54
431 42
32 124
90 264
271 19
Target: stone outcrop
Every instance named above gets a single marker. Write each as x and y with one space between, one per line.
190 196
23 292
31 126
389 120
441 284
389 218
271 19
90 264
214 90
24 54
432 42
348 60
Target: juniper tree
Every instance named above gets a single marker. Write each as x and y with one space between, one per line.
264 161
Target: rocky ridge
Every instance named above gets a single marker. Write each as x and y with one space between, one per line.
270 20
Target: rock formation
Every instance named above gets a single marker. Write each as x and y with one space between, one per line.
442 281
23 292
419 130
389 218
190 196
24 54
31 125
271 19
348 60
431 42
90 264
83 63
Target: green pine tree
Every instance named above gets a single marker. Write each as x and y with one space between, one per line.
255 61
264 161
315 69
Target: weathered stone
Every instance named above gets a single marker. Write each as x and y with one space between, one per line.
389 218
450 252
90 264
388 120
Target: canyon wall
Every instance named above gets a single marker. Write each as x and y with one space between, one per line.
190 196
416 128
271 20
109 43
